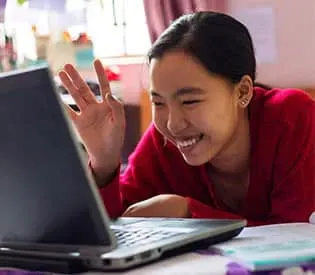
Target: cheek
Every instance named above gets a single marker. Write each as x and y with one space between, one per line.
217 123
159 118
228 123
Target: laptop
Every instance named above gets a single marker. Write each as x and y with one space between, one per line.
50 208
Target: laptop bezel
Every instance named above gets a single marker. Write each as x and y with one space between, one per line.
30 248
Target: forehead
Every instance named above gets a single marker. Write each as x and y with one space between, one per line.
176 69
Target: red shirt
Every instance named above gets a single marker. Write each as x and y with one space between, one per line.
282 166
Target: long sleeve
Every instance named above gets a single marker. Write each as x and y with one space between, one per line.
141 180
111 197
282 187
291 192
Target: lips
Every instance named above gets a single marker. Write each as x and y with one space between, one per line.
188 142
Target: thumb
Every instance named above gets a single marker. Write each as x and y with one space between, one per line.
116 107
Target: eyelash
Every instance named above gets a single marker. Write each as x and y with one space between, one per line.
190 102
186 102
157 103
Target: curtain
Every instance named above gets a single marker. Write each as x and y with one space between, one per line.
160 13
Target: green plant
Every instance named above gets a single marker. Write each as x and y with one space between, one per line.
21 2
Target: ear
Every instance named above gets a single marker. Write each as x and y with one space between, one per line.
244 91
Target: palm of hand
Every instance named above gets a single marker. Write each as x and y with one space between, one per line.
97 120
101 125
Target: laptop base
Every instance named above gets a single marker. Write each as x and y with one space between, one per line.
37 264
68 266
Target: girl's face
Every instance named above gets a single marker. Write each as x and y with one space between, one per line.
197 111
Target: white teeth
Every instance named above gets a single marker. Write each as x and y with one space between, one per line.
187 143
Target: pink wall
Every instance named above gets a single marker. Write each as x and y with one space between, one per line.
134 81
295 41
294 65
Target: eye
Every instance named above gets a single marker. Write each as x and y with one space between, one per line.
157 103
190 102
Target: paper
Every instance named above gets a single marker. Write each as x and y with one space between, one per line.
267 247
260 22
312 218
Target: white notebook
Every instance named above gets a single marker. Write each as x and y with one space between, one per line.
272 246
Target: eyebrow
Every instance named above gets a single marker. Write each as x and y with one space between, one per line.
183 91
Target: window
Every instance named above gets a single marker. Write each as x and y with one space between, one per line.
117 27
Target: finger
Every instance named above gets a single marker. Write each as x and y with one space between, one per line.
139 213
102 78
126 213
80 84
132 212
116 107
73 91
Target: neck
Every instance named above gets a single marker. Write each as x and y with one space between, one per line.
234 158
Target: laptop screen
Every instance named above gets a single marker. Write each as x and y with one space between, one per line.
45 196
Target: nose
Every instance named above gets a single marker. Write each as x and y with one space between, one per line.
176 121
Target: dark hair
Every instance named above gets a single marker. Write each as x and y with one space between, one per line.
221 43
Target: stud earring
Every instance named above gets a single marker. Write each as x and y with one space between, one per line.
244 102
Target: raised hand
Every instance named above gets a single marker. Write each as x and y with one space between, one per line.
100 124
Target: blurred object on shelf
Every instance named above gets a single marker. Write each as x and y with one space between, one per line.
82 39
20 2
114 77
8 55
112 73
10 52
60 51
66 36
41 44
84 54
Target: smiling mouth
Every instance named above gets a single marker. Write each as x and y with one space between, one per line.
188 143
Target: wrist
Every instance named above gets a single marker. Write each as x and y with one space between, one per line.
103 173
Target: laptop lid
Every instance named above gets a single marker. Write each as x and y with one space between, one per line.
47 196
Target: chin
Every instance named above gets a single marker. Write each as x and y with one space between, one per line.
199 155
196 160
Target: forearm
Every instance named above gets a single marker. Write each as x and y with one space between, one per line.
109 191
111 197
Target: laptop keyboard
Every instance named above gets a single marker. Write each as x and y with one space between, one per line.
142 236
